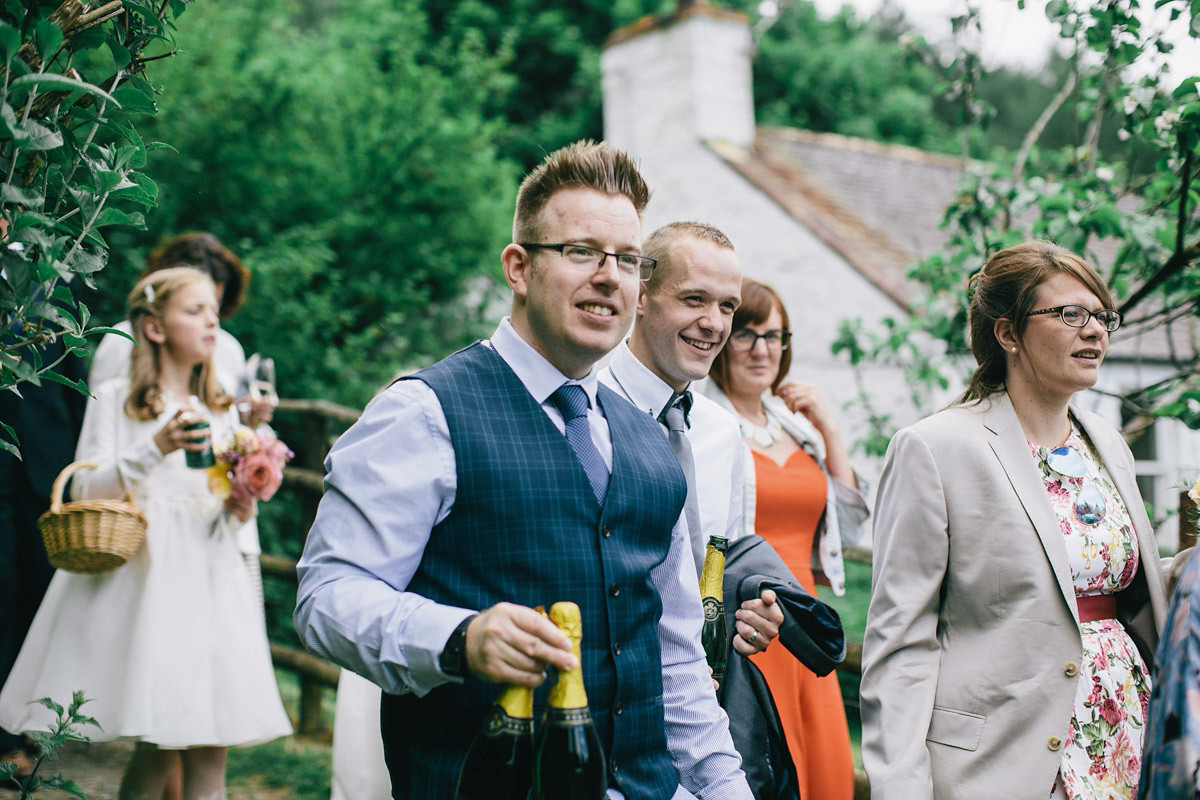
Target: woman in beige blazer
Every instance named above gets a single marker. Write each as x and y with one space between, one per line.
1016 601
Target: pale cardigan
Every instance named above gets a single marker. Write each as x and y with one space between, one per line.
835 531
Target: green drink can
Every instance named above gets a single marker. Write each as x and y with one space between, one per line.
199 459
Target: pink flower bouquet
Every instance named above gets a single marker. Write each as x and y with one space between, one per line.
248 466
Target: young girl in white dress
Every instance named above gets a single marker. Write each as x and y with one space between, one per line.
170 647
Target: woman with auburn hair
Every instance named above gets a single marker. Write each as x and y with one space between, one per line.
170 647
1017 598
802 496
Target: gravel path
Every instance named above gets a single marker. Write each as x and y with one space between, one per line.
97 769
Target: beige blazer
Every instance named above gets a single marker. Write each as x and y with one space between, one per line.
972 645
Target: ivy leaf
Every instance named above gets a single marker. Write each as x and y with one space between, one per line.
56 81
10 42
139 189
78 385
11 193
9 442
134 101
41 137
115 216
47 38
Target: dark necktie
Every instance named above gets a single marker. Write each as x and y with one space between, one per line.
675 416
572 403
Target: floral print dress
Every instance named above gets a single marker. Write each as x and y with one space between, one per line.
1102 753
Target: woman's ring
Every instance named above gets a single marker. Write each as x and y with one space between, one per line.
754 637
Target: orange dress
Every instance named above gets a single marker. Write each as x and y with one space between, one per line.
790 501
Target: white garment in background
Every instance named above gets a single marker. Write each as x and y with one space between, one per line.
359 771
170 647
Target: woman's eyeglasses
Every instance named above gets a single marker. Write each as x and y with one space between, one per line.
743 340
1078 316
1090 507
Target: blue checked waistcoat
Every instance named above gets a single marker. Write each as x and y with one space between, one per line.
525 528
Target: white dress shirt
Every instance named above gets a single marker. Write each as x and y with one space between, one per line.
390 479
718 449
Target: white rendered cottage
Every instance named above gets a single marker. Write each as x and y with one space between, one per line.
830 221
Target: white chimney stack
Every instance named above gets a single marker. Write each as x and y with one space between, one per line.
675 81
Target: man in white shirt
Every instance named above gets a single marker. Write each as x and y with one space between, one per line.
684 317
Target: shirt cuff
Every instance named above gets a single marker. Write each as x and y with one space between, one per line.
426 633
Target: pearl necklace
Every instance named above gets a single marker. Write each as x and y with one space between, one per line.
762 435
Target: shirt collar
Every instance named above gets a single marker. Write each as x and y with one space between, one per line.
644 389
539 376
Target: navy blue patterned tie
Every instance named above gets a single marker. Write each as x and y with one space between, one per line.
572 403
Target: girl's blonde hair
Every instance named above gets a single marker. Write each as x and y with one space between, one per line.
150 298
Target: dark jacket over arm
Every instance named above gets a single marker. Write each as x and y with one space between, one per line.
811 631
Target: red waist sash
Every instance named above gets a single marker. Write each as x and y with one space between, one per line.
1096 606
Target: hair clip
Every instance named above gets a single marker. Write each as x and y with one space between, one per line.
149 292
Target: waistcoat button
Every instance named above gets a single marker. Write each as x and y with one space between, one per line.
605 532
616 648
614 590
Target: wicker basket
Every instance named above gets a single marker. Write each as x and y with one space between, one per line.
90 536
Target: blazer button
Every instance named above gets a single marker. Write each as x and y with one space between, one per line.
1054 743
605 532
614 590
616 648
613 766
618 707
1071 669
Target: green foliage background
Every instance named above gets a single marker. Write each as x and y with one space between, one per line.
362 157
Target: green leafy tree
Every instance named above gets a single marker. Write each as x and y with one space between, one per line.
1076 197
72 87
343 153
845 75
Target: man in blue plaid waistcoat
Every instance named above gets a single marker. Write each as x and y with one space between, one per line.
506 477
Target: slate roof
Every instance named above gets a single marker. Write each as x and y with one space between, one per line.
881 206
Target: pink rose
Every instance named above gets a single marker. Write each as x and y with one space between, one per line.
276 450
1057 491
257 476
1101 661
1096 694
1112 712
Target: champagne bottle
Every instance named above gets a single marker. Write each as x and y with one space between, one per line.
569 764
713 635
499 762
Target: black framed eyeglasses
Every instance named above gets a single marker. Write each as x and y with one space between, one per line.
582 255
1078 316
743 340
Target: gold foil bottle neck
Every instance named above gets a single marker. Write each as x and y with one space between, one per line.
569 692
712 577
517 702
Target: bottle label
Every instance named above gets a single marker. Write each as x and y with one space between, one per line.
568 717
713 608
499 723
